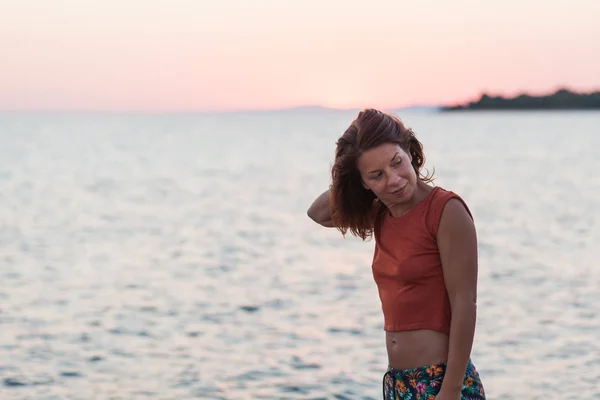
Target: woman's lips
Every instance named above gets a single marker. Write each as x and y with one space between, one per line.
399 191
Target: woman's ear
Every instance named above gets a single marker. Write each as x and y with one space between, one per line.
365 185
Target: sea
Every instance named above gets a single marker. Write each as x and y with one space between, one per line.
169 256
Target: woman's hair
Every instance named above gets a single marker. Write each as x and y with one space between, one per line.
353 207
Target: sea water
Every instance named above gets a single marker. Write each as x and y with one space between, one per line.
170 256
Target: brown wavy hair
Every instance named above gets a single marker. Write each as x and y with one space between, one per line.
354 208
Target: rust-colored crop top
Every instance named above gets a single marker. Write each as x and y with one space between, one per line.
407 267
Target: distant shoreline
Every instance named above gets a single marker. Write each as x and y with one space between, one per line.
562 99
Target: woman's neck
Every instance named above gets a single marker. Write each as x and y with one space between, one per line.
421 191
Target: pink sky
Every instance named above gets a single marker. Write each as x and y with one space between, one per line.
201 55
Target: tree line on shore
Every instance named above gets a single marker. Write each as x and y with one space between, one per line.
562 99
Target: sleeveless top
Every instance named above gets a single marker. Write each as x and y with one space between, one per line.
407 267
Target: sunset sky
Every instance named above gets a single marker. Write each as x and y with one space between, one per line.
201 55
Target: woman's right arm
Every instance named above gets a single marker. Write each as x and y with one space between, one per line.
319 210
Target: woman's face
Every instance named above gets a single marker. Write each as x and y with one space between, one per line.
387 171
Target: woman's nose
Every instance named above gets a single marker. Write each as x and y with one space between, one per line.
394 179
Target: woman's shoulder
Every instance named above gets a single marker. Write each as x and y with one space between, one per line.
439 202
440 194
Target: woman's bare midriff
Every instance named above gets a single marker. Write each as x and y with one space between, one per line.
409 349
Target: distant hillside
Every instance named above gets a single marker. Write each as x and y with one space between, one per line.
417 109
318 108
562 99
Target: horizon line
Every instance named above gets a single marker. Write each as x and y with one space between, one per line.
313 107
310 107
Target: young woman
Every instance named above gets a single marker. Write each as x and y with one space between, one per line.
425 260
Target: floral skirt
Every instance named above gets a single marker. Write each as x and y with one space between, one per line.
424 383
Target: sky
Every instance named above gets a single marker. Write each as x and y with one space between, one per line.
205 55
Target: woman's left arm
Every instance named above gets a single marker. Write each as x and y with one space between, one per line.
457 243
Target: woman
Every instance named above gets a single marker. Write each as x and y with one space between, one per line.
425 260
